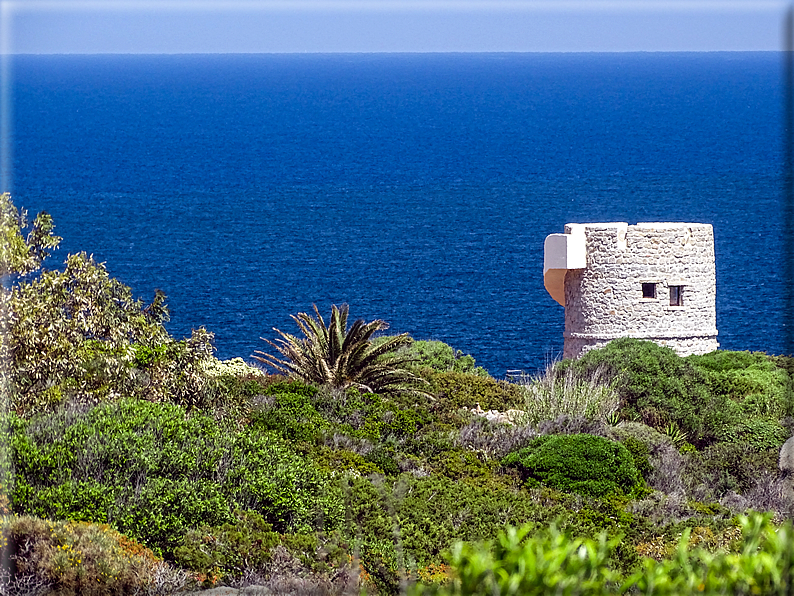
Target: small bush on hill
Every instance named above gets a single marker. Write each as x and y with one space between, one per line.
158 513
456 390
642 432
577 463
375 418
657 387
459 464
431 513
640 454
343 460
229 550
438 356
290 415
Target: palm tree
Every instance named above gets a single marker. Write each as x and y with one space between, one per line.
340 358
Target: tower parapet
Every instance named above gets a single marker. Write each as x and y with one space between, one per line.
653 281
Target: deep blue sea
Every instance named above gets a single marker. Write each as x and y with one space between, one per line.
417 188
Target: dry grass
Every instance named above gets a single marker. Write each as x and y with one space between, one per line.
770 492
552 394
285 575
668 469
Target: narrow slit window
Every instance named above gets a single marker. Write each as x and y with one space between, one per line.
676 295
648 290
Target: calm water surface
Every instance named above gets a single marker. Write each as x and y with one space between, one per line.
418 188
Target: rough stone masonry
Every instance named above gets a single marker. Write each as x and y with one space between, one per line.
653 281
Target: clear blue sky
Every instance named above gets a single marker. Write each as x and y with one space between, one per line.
178 26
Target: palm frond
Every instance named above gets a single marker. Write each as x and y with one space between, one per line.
339 357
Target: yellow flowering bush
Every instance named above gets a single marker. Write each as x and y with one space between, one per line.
74 558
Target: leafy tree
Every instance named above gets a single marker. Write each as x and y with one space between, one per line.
79 333
342 357
18 255
64 324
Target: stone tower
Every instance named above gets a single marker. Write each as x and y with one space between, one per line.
653 281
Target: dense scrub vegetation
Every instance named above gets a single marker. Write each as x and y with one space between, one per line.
138 462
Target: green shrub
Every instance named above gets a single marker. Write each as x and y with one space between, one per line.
459 464
291 494
639 453
465 390
154 472
646 435
759 392
79 500
438 356
584 464
380 423
655 384
707 509
431 513
551 562
716 397
291 387
605 514
362 416
742 374
342 460
234 385
658 387
145 356
385 458
434 441
164 509
724 360
228 550
117 443
759 433
521 561
291 415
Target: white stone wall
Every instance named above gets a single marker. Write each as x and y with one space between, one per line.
604 300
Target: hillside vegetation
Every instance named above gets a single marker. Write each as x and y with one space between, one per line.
140 463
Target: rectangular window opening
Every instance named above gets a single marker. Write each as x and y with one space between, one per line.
676 295
648 290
